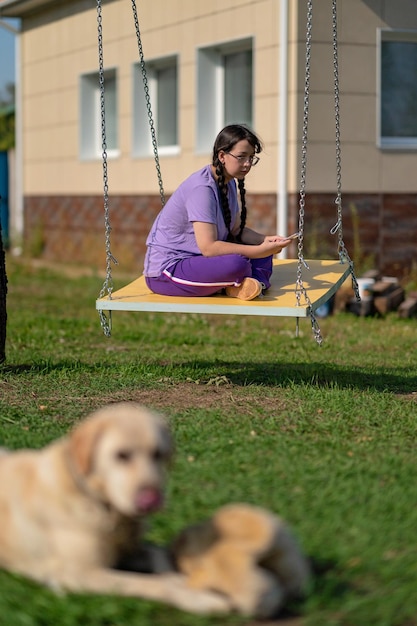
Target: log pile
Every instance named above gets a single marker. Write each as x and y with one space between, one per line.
379 295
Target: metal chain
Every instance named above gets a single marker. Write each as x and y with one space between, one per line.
338 227
300 290
107 287
148 103
304 141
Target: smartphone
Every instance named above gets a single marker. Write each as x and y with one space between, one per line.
294 236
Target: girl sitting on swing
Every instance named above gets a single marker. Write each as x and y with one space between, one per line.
199 244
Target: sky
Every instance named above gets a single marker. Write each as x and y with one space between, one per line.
7 55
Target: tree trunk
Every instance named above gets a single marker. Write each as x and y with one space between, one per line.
3 293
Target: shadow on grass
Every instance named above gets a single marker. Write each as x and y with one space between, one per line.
242 373
322 375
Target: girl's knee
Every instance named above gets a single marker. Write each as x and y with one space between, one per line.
240 265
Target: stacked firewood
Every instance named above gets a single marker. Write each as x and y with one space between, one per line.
379 295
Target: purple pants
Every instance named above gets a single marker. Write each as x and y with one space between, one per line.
205 276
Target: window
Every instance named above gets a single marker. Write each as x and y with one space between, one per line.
90 127
398 89
225 90
163 93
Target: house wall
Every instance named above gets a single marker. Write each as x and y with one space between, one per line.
60 44
378 229
365 167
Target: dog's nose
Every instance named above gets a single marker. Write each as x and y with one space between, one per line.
149 499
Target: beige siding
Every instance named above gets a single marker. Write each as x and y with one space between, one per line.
60 46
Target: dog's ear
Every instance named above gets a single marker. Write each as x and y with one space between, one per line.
82 442
249 525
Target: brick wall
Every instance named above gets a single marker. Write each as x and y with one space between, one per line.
379 230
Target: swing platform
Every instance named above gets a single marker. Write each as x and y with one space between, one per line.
321 282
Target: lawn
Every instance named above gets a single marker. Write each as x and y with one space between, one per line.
324 436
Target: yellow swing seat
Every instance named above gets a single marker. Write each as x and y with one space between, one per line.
321 282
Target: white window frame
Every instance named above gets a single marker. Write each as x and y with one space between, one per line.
210 89
90 140
385 142
142 139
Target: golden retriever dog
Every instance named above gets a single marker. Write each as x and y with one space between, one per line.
72 514
247 553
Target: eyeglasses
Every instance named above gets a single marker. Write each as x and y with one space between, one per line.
252 160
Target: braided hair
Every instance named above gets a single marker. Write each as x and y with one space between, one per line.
225 141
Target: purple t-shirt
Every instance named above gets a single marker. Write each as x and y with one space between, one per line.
172 235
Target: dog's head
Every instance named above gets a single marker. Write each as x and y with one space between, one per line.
120 454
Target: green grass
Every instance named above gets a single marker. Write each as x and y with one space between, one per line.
324 436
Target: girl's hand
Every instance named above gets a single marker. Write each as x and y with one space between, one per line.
275 243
